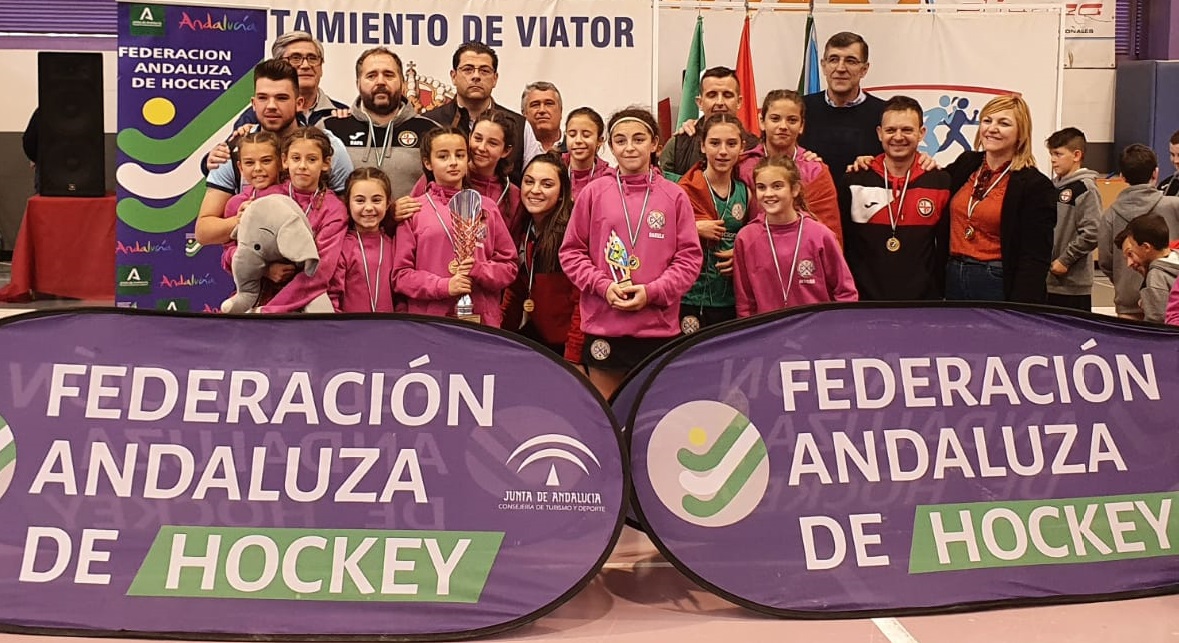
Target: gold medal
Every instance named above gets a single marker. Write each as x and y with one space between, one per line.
529 305
969 232
453 266
893 244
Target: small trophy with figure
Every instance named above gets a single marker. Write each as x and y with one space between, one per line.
466 210
621 262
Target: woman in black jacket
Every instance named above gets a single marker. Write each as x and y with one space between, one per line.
1002 213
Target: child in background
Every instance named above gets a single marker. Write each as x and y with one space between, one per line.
1078 211
425 266
720 202
584 131
1170 186
362 282
783 119
260 164
787 259
307 159
541 303
632 250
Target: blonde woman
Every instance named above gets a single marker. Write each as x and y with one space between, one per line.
1002 213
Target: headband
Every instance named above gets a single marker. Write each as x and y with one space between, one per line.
631 119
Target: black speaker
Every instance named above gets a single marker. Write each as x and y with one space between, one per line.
70 150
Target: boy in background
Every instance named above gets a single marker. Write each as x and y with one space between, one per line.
1140 169
1169 185
1078 210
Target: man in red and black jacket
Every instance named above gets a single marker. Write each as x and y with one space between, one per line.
895 218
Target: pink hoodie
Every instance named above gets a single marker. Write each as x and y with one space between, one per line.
668 249
231 208
363 272
582 178
1172 314
329 222
423 253
820 274
818 188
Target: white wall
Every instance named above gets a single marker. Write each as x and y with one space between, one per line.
20 89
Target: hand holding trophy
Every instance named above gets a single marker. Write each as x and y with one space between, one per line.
466 210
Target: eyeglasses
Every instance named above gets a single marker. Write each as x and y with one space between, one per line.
297 60
469 70
850 62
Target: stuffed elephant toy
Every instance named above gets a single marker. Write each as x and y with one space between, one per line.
275 229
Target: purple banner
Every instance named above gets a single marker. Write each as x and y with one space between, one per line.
184 76
872 459
295 476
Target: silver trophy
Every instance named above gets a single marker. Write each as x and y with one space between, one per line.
466 210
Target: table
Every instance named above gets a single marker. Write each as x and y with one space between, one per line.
65 248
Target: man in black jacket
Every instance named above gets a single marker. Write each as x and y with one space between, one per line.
475 72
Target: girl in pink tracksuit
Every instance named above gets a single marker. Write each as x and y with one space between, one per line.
649 224
584 130
307 157
787 259
425 268
362 282
260 164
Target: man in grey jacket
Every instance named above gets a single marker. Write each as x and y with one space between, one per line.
1078 210
1140 169
1145 244
383 129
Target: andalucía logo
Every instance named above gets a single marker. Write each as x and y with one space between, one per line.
7 456
134 280
147 20
186 281
173 304
708 463
550 473
209 24
552 448
145 248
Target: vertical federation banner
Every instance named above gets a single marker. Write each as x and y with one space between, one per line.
310 477
886 459
184 75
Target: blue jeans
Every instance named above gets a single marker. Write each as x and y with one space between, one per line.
972 280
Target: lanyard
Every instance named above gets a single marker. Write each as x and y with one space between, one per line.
372 135
291 192
529 253
373 296
633 231
893 218
788 285
592 171
445 228
971 204
720 212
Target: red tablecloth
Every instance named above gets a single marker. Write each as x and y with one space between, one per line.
65 248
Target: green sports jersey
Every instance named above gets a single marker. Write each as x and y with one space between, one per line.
713 289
